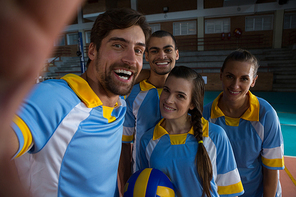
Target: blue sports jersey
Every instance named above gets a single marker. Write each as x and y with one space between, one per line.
76 140
256 139
142 114
175 156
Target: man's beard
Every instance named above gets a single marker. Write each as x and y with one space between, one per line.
118 88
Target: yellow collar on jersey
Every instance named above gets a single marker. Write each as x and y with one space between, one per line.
176 139
83 90
251 114
87 95
145 86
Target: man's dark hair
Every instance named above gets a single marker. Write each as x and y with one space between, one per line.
117 18
160 34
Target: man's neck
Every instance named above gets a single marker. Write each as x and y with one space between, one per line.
157 80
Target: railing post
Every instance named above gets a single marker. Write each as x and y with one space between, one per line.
80 43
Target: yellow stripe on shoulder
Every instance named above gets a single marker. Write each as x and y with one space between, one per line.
276 163
26 134
127 138
231 189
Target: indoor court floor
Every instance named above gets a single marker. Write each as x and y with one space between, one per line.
285 105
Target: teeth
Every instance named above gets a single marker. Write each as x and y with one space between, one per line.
168 108
162 63
123 77
126 72
233 92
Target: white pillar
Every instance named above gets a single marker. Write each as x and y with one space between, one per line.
278 28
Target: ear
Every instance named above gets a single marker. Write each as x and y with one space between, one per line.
191 106
220 75
146 56
92 51
254 81
177 54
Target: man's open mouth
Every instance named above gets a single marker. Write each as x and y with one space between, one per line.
123 74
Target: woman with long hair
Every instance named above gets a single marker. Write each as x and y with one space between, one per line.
195 154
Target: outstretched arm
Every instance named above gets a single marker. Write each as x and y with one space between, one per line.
29 29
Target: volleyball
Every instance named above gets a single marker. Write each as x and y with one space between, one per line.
149 182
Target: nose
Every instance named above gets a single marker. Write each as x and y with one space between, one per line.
235 83
129 57
162 54
169 99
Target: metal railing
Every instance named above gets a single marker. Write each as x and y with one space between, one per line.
256 41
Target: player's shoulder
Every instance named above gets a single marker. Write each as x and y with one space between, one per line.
51 88
264 104
148 135
207 110
217 133
266 110
215 129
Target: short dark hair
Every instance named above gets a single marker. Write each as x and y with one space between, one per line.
160 34
117 18
242 56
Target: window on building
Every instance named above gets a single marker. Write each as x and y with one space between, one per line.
290 21
60 42
72 38
259 23
184 28
87 37
214 26
154 27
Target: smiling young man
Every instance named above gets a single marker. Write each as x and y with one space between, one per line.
72 127
143 101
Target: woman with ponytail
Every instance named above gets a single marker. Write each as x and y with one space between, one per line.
195 154
251 124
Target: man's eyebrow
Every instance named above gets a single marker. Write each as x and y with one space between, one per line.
151 48
118 39
141 44
124 40
157 48
168 46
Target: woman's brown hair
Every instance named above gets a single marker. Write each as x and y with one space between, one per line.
203 162
242 55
